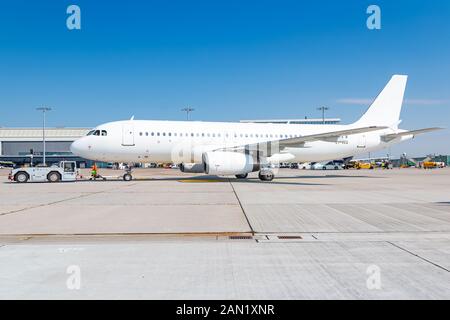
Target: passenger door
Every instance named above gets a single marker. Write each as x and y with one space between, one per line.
128 134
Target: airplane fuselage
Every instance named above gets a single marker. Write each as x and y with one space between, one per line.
185 141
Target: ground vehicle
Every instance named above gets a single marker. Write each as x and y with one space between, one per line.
65 171
432 164
306 165
429 165
331 165
364 165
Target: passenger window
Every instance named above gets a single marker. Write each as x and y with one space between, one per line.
164 134
153 134
157 134
140 133
170 134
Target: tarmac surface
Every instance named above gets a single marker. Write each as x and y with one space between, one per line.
353 234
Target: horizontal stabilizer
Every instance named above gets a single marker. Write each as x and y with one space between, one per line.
392 136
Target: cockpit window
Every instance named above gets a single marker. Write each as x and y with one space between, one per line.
97 133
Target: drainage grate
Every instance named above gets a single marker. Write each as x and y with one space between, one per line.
240 237
289 237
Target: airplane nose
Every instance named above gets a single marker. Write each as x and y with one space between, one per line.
76 147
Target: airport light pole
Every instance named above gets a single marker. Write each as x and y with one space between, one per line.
44 111
323 113
187 110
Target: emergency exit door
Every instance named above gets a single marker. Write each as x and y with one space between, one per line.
128 135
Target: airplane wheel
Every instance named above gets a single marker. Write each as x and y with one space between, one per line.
266 175
127 177
242 176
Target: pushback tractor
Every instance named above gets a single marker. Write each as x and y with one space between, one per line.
65 171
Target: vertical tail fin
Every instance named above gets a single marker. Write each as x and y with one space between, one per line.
385 110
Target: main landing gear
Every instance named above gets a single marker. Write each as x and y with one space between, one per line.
266 175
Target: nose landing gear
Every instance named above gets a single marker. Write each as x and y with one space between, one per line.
127 175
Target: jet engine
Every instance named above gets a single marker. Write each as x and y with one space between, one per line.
229 163
192 167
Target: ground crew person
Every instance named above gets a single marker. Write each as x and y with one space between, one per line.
94 173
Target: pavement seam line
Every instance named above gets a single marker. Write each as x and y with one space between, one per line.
242 208
56 202
418 256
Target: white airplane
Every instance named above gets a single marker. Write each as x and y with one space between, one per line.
222 148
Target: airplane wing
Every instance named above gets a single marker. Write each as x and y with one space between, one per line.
327 136
392 136
297 141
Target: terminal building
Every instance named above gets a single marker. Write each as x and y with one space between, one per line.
24 145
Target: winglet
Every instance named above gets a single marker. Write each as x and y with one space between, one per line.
132 118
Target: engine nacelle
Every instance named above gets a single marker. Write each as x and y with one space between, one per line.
192 167
229 163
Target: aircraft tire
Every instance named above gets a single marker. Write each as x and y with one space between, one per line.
266 175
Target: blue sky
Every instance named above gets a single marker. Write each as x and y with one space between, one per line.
229 60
